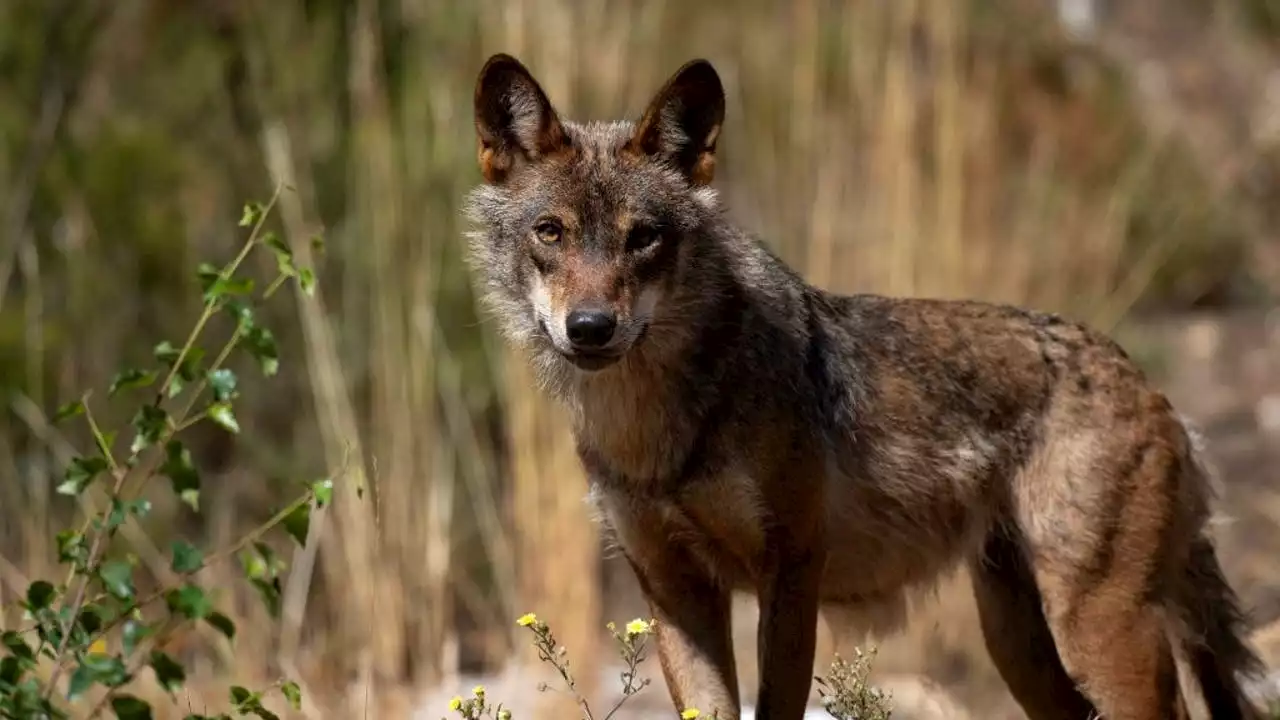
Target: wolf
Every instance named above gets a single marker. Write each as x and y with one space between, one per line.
743 430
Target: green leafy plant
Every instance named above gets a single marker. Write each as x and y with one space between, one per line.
846 693
60 664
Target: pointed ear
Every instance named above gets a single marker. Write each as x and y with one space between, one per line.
514 120
683 122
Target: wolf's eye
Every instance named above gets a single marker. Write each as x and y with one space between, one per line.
642 237
548 232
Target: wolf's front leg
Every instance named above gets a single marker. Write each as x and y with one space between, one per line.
787 634
695 644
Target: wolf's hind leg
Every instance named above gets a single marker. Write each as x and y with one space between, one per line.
1017 636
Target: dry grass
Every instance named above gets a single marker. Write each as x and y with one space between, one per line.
910 147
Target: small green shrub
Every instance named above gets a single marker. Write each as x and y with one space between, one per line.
59 664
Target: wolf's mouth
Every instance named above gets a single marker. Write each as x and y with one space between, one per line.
592 361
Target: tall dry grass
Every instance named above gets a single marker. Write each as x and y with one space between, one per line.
910 147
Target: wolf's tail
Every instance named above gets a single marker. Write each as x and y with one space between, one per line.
1216 649
1214 642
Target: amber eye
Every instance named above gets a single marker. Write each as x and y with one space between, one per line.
642 237
548 232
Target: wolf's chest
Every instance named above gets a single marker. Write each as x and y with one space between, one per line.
719 523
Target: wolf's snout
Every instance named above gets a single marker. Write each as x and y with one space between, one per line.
590 329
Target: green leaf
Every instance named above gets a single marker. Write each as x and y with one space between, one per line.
260 343
71 547
223 383
18 647
323 491
181 472
80 473
242 313
69 410
278 246
128 707
292 693
222 624
167 670
166 353
222 414
107 670
264 713
269 590
187 558
90 620
148 424
130 379
40 595
133 633
81 680
185 373
10 671
189 601
307 281
251 214
317 244
207 275
117 515
284 255
262 567
117 578
222 288
298 522
241 696
262 562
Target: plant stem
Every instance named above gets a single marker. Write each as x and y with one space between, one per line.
211 304
95 551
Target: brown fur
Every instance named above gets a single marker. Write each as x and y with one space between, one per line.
744 430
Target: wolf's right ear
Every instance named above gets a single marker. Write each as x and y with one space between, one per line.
514 120
682 122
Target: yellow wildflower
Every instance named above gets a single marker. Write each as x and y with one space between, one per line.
455 703
478 691
637 627
527 619
99 647
690 714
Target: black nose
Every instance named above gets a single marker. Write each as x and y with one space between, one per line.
590 328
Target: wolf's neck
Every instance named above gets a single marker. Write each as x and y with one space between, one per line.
642 419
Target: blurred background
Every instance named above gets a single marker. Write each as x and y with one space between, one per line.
1114 160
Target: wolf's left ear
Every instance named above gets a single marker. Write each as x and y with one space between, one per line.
683 122
514 120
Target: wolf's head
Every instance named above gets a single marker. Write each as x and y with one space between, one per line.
587 227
